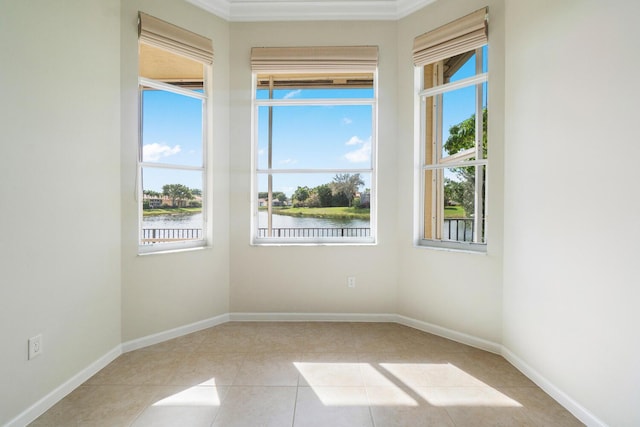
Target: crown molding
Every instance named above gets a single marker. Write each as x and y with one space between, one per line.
310 10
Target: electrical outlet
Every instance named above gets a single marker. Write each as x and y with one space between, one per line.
35 346
351 282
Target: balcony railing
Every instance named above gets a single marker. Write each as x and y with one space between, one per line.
458 229
316 232
164 235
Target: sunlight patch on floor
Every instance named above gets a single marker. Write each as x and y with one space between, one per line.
404 384
200 395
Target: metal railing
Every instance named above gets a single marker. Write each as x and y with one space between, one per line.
316 232
458 229
163 235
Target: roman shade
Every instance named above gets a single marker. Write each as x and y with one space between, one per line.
460 36
158 33
314 59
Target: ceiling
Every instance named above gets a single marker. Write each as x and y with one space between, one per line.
310 10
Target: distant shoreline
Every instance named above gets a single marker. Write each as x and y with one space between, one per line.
170 211
327 213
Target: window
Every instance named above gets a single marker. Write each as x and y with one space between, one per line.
314 126
451 94
174 65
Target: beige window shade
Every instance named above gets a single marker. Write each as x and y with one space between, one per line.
454 38
158 33
314 59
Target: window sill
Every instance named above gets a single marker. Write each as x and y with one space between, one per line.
313 243
174 251
452 247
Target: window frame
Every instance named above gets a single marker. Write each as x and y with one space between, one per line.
256 103
438 163
205 97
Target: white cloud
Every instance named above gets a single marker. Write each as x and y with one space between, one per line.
156 151
288 162
261 151
361 155
347 121
354 140
292 94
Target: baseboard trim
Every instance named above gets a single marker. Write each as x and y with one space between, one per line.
42 405
558 395
450 334
311 317
173 333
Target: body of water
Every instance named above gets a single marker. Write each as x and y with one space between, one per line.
285 221
185 220
279 221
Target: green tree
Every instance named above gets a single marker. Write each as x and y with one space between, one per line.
196 192
462 136
452 192
178 193
324 195
300 196
346 185
151 193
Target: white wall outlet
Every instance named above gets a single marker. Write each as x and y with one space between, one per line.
351 282
35 346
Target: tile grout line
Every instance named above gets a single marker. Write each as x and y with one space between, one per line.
295 403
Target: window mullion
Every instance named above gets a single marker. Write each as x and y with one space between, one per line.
170 166
315 101
460 84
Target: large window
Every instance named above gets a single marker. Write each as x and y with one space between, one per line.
451 100
172 163
314 153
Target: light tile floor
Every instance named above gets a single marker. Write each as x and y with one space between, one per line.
308 374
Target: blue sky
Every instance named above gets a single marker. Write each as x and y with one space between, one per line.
304 137
171 134
315 137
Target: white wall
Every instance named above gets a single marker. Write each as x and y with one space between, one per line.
59 192
455 290
562 141
571 291
165 291
313 278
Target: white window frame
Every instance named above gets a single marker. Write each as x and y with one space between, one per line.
204 169
256 171
439 164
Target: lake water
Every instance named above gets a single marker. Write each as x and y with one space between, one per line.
279 221
284 221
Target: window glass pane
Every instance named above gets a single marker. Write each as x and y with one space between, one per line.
463 66
458 120
316 137
171 128
171 205
310 86
354 93
161 65
315 205
462 221
460 67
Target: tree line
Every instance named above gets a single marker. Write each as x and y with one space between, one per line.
342 191
180 195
